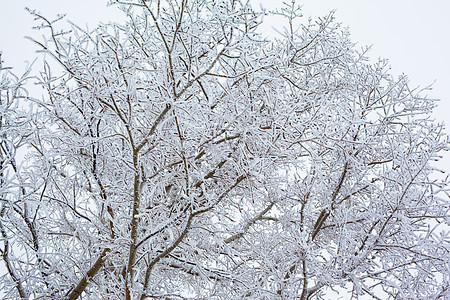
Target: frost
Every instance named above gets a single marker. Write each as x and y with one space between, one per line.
183 155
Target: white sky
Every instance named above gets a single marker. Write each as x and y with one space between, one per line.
412 34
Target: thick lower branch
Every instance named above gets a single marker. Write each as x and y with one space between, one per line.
9 267
184 233
81 286
132 252
165 253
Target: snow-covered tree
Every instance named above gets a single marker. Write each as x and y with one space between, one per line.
15 129
182 155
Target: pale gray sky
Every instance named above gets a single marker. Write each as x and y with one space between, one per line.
412 34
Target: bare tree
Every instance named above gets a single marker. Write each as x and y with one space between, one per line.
182 155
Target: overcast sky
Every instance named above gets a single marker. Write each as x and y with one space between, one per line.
412 34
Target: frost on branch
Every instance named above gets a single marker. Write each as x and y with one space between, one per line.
16 226
183 155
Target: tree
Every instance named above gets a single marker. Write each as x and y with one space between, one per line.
15 129
182 155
